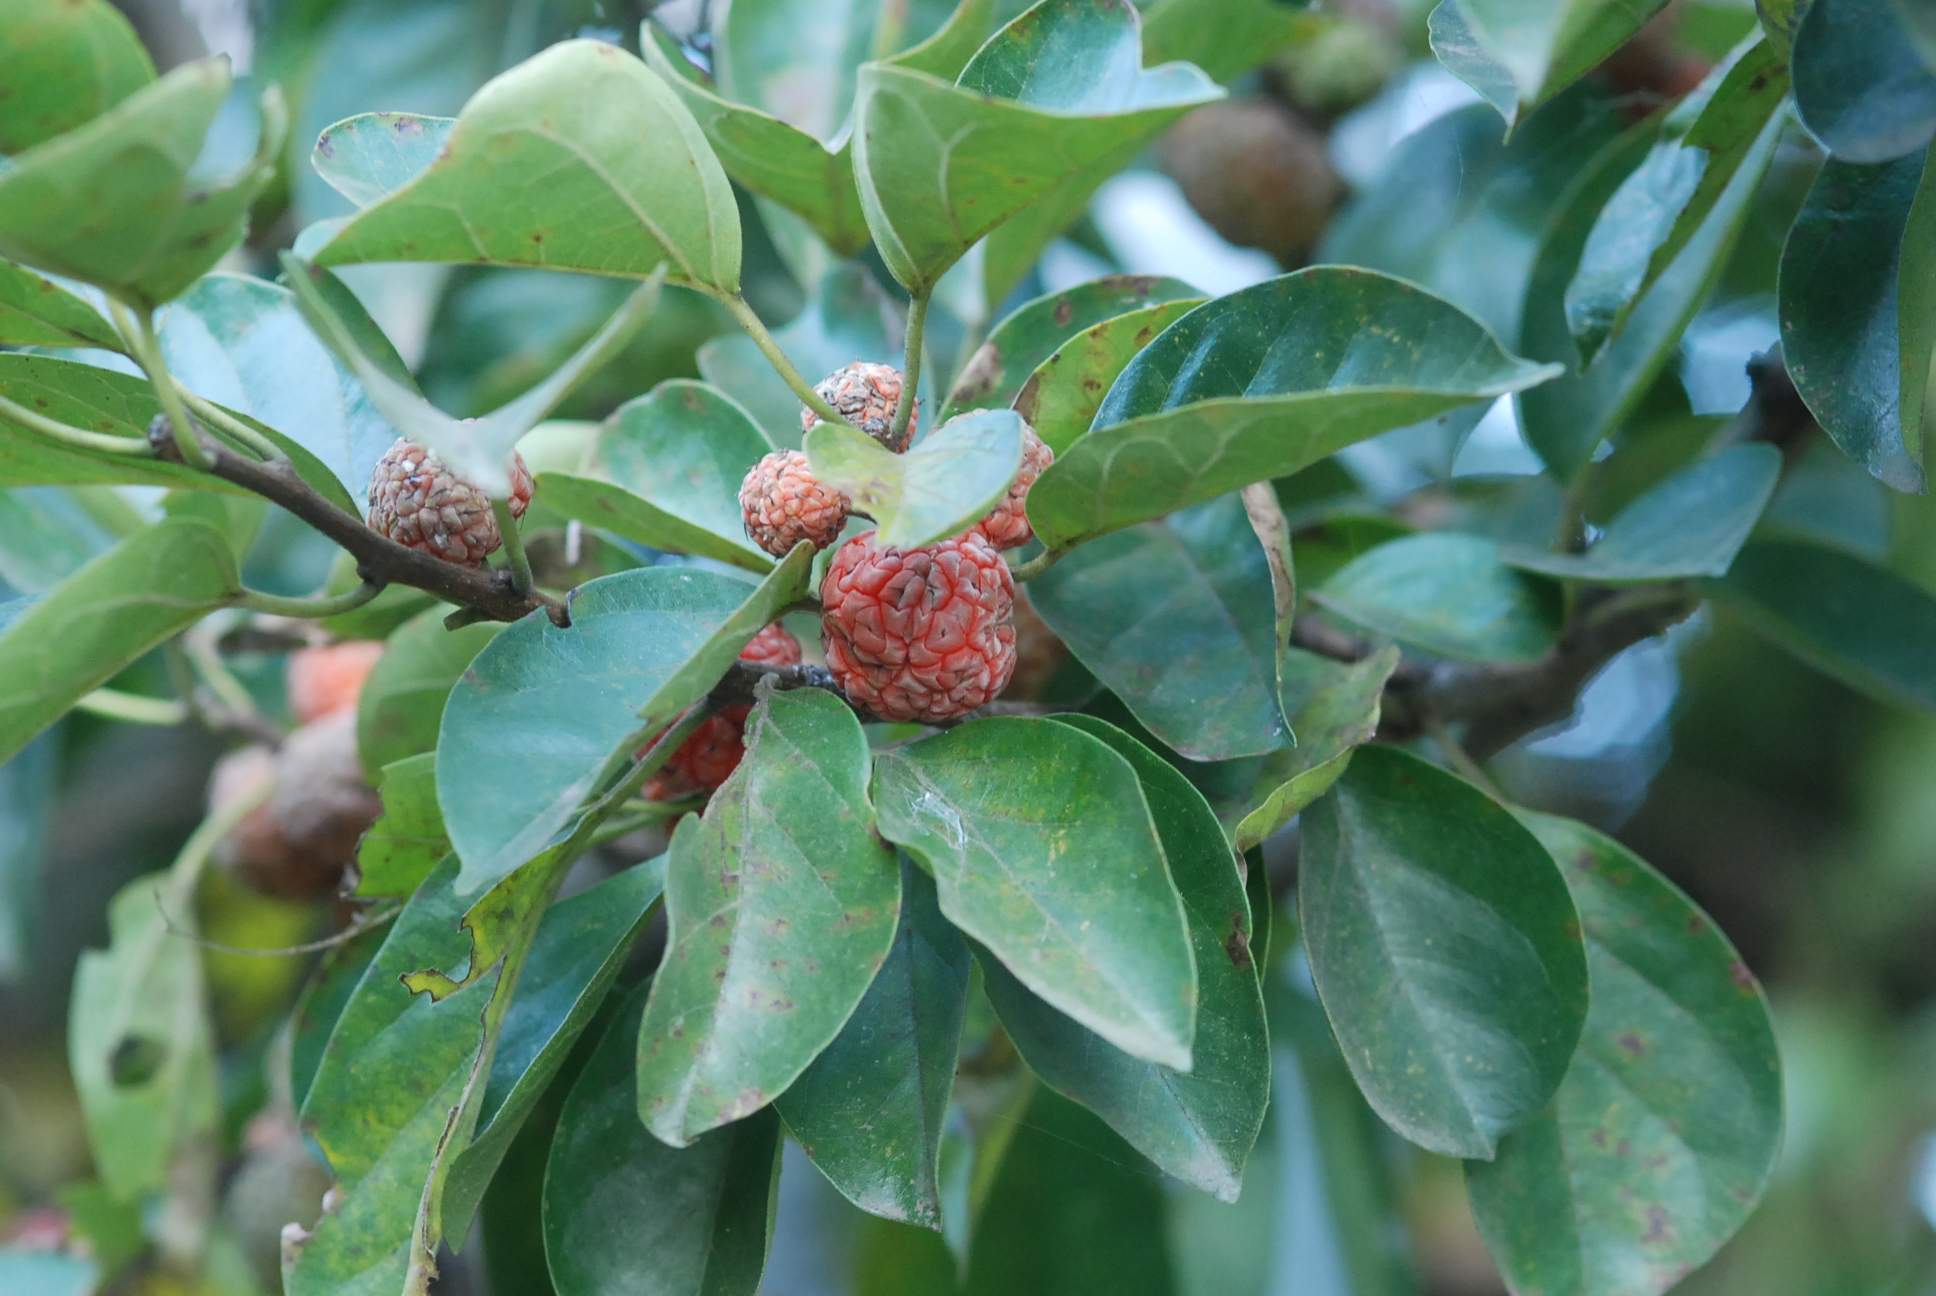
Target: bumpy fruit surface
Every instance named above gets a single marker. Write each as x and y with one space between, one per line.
704 760
417 501
1007 525
329 677
783 503
865 394
919 634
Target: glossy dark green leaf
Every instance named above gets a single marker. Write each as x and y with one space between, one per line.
1861 85
157 582
1050 106
871 1107
317 1009
849 318
63 64
1665 1132
1333 708
39 312
1225 38
1692 524
1198 1127
543 713
401 705
1448 593
1175 618
624 1212
576 955
1070 1214
1844 615
1307 364
372 155
780 907
578 159
1659 208
1519 53
1042 848
408 841
396 1094
1565 421
1033 332
1061 397
140 1041
118 202
1445 949
940 488
1858 318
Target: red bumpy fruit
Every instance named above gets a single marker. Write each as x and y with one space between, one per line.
1007 525
865 395
417 501
919 634
713 752
783 503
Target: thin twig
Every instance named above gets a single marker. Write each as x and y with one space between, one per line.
308 608
362 924
220 420
520 562
1035 566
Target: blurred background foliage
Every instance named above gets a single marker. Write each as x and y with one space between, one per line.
1800 814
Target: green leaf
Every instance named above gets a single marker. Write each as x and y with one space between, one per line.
544 715
1308 363
578 159
39 312
624 1212
575 957
665 471
401 706
370 156
119 203
1450 594
1861 85
1198 1127
1061 397
848 318
47 534
1445 950
871 1107
780 907
940 488
396 1094
242 343
771 157
1051 105
1858 319
1665 1132
1033 332
1226 38
319 1006
93 400
1844 615
1333 709
1042 848
403 846
1519 53
1565 421
1659 208
63 64
140 1042
156 583
1692 524
1175 618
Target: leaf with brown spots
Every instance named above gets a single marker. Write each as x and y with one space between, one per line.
1062 395
1665 1130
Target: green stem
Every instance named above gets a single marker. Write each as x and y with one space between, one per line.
507 525
138 331
199 645
133 707
309 608
778 359
220 420
1048 558
917 327
54 430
